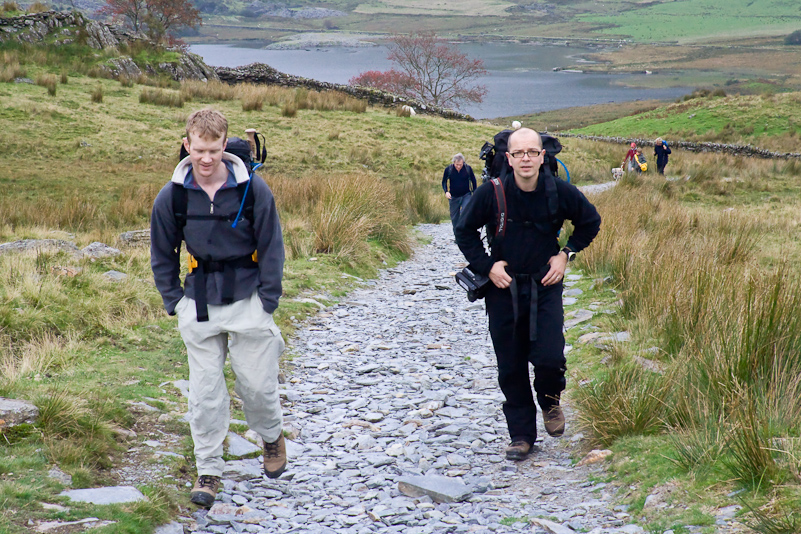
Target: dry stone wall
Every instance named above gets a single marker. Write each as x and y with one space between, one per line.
61 28
749 151
259 73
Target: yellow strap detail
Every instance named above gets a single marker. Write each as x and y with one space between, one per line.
191 262
255 256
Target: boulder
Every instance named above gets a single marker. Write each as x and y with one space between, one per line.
16 412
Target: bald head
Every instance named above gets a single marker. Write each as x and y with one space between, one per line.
524 136
523 145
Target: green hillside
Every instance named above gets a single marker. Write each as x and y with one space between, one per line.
694 20
768 121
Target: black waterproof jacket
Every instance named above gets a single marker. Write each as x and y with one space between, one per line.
526 247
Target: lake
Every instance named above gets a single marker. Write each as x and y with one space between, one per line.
521 79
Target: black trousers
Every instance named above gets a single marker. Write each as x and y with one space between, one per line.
514 351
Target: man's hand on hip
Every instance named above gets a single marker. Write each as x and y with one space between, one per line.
499 276
448 195
556 273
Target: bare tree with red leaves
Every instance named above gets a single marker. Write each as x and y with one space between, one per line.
430 70
392 81
160 17
132 10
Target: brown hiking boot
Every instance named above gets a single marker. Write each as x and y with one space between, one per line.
518 450
554 421
275 457
205 490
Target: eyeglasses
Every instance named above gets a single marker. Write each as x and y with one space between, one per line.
533 153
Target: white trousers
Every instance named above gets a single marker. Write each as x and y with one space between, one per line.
254 342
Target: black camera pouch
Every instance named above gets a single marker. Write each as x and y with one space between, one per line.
475 284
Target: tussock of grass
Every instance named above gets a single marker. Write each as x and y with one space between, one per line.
159 97
10 71
48 81
211 90
289 109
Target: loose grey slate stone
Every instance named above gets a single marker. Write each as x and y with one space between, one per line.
100 250
239 446
59 475
569 301
170 528
441 489
16 412
116 276
183 387
550 526
110 495
243 469
579 317
574 292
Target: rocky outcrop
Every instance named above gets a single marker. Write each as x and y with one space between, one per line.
749 151
16 412
59 28
259 73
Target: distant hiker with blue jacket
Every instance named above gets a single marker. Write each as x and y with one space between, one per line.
661 151
458 182
225 308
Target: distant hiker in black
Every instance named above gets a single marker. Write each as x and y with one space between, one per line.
526 267
458 182
661 151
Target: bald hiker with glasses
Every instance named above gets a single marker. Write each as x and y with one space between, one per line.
526 268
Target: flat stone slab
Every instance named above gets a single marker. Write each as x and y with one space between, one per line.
115 276
579 317
87 523
550 526
170 528
100 250
222 514
16 412
39 244
441 489
239 446
243 469
110 495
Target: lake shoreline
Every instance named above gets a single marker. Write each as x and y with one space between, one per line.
522 78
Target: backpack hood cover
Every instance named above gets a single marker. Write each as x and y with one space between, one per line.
240 169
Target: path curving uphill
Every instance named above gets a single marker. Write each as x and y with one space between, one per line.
399 381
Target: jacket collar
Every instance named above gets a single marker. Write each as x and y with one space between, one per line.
240 170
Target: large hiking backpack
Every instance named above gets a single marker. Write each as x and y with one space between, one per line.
497 169
494 155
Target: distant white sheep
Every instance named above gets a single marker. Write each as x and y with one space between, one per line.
408 110
516 125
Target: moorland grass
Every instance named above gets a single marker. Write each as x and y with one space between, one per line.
694 283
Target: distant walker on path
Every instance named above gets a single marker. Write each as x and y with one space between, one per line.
661 151
458 182
526 268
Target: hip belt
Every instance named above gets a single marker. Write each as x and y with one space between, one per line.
527 283
199 267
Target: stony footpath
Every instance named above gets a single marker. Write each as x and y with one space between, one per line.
395 416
